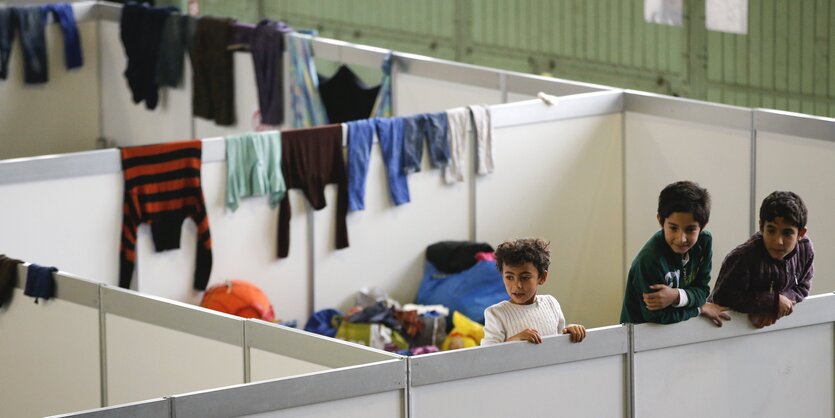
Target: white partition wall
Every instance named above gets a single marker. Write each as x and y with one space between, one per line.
49 351
32 115
557 377
796 153
151 408
156 347
77 209
786 369
387 242
668 140
373 390
560 180
243 247
276 352
89 185
415 94
91 345
399 235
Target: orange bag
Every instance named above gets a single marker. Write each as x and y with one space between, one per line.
239 297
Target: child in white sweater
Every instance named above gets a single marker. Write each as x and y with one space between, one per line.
526 316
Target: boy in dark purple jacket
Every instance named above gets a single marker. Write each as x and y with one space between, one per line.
772 271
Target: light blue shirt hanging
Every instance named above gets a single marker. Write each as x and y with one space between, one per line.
253 162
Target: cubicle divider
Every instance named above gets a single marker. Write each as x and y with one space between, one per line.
740 155
643 370
151 408
35 117
244 241
580 157
796 152
50 351
558 175
555 377
785 369
93 345
669 139
157 347
276 352
584 172
420 84
372 390
109 116
243 247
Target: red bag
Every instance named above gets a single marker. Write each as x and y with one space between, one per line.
239 297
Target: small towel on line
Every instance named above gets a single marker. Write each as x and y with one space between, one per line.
40 283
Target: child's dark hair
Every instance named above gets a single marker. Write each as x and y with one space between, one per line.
520 251
786 205
687 197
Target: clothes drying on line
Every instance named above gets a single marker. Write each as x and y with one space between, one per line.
8 278
163 188
265 41
311 159
346 97
253 167
141 29
213 90
177 33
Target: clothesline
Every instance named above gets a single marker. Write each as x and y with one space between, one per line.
106 161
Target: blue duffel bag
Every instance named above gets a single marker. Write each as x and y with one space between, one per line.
469 292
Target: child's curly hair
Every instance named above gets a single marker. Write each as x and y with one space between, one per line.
519 251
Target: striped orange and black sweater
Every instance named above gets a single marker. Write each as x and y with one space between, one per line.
162 189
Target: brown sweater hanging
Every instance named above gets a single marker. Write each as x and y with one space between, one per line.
310 159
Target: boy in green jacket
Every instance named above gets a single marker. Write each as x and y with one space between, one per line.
669 278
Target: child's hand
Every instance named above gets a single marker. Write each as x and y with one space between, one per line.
785 306
578 332
762 320
663 297
715 313
529 334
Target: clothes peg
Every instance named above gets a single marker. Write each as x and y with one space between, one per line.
548 99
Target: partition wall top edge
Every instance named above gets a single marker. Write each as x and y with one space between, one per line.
249 399
68 287
814 310
795 124
689 110
482 361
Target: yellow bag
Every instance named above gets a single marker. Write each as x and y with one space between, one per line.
371 335
465 333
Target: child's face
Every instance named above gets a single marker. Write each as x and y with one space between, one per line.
521 282
681 231
780 237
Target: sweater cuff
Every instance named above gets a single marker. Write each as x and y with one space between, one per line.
682 298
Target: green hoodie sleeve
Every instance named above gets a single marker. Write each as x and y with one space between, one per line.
698 289
646 272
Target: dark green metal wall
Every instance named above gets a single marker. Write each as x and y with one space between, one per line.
787 60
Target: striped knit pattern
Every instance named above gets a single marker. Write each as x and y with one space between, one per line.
505 319
162 189
751 281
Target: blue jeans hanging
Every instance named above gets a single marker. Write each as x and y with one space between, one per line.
432 127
